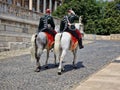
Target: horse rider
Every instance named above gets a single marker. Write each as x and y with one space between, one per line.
68 26
46 24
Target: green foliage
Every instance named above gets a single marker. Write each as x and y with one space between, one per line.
99 17
112 17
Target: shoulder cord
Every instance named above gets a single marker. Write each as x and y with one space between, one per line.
45 24
66 25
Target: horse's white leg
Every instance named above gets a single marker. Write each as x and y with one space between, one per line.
57 45
38 55
60 54
55 58
74 58
60 68
46 63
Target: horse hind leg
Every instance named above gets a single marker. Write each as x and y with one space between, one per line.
46 63
74 59
61 68
38 65
37 56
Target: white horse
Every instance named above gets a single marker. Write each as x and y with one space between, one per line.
62 44
39 43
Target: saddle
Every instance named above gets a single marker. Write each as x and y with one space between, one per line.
74 42
50 40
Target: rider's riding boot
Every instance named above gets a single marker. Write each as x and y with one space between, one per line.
80 43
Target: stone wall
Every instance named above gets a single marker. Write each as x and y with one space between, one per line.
17 24
102 37
17 35
115 37
10 41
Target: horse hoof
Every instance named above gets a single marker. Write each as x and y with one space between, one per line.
59 73
46 67
37 70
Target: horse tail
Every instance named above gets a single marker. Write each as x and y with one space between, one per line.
32 48
57 43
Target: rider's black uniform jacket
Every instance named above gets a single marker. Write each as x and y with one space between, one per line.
64 23
44 21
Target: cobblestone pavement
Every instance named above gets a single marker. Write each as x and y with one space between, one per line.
17 73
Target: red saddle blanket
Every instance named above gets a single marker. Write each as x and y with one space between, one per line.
74 42
50 40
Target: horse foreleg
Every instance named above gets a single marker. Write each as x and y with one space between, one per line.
60 54
61 68
74 58
46 63
55 58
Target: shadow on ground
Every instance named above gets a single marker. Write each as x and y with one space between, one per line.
70 67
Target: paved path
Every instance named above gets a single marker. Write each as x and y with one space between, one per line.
17 73
106 79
